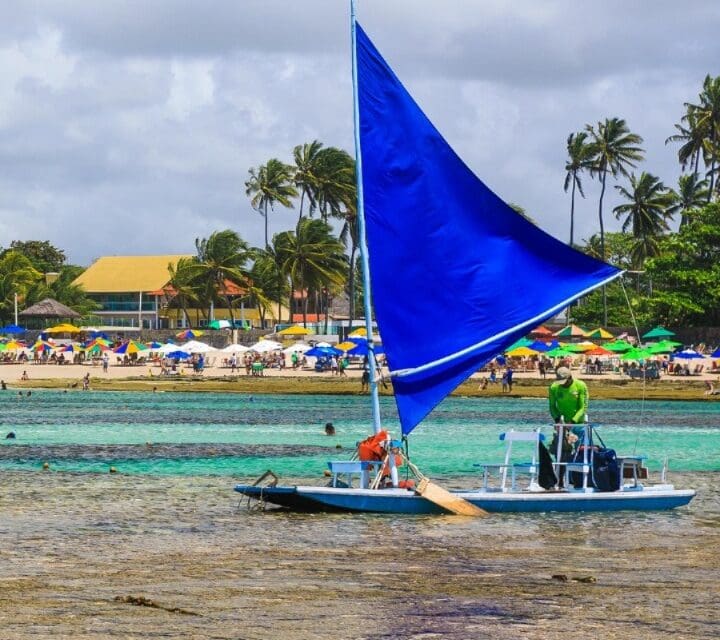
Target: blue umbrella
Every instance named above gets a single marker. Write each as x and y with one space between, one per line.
688 354
323 352
541 346
716 353
12 328
178 355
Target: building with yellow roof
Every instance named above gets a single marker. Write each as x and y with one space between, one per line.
133 292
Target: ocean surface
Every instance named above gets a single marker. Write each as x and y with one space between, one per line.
81 547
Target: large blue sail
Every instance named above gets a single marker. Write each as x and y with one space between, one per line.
456 274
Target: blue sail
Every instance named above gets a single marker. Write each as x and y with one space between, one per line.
456 274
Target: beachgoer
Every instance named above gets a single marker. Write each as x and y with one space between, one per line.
483 384
568 405
10 436
86 382
329 429
24 376
509 378
541 368
105 362
3 386
365 380
504 381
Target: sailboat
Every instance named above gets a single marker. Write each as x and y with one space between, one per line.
430 230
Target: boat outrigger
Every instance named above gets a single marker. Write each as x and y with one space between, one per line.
429 229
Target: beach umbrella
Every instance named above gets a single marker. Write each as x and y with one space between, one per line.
153 345
598 352
541 332
542 347
12 329
347 345
96 347
360 332
521 352
13 345
663 346
220 324
361 348
235 348
131 346
559 352
63 328
658 332
41 345
196 347
301 347
688 354
190 334
636 354
319 352
178 354
618 346
570 331
72 347
600 334
295 331
265 346
523 342
167 348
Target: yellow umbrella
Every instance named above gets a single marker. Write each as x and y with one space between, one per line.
295 331
346 346
358 333
521 352
14 345
600 333
63 328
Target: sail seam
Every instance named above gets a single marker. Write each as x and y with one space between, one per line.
403 373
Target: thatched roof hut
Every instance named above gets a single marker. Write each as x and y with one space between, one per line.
49 309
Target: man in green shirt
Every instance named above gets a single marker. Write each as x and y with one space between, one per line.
568 403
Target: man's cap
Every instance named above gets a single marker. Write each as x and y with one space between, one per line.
563 373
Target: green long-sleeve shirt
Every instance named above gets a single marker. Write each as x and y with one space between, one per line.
570 402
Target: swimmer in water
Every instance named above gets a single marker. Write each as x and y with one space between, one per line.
329 429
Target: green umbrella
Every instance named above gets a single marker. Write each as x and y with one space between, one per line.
618 346
559 352
523 342
658 332
636 354
664 346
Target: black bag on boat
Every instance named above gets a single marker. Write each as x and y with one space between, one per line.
604 468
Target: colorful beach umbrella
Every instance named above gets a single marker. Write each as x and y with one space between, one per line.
663 346
658 332
636 354
598 352
13 345
220 324
360 332
42 345
559 352
523 342
190 334
131 346
570 331
600 334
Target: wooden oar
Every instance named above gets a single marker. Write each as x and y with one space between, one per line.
442 497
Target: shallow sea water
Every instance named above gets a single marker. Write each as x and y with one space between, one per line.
169 528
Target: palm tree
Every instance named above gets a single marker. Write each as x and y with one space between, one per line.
335 190
312 258
692 138
307 159
268 184
691 194
613 148
64 291
578 160
350 234
222 260
183 288
706 118
646 213
17 276
268 283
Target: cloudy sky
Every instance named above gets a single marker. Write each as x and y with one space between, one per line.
128 127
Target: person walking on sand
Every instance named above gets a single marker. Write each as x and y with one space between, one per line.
105 362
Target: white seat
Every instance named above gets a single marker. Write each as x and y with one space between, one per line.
530 468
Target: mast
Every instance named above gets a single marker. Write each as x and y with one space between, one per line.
374 394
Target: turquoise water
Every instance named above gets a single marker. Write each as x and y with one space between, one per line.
242 436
